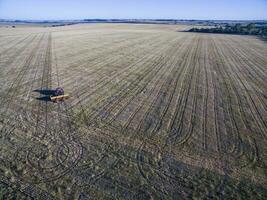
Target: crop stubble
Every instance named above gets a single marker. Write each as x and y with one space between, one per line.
153 113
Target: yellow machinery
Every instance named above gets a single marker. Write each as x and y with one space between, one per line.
59 98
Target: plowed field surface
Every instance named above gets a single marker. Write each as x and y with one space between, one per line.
154 113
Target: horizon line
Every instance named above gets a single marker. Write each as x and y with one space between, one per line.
82 19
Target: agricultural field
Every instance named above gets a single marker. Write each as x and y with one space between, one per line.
154 113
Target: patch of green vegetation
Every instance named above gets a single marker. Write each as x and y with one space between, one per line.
250 29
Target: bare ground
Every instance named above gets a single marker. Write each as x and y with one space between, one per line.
154 113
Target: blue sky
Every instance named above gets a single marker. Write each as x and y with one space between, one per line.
175 9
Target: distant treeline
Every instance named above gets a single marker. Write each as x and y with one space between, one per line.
250 29
68 24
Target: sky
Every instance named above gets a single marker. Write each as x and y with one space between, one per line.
134 9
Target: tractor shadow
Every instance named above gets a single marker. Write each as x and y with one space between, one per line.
44 94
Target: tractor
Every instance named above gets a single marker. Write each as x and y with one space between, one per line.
59 95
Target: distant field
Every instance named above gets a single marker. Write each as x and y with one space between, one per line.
154 113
